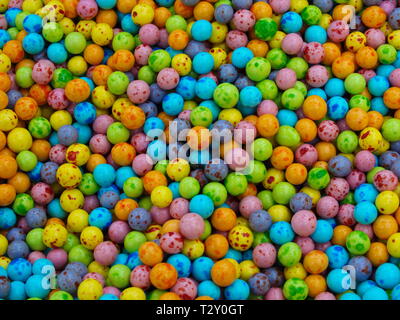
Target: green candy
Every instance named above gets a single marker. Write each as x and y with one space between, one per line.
159 59
155 294
119 275
355 83
292 99
299 66
201 116
295 289
289 254
123 41
88 185
288 136
349 199
80 254
311 15
75 42
26 160
391 130
266 199
133 240
207 230
189 187
261 148
259 238
278 58
282 192
235 183
34 239
72 241
265 29
347 141
216 191
118 82
145 203
360 101
358 243
61 295
39 127
61 77
23 77
161 166
133 187
52 32
268 88
318 178
23 203
255 171
147 75
117 132
387 54
258 69
175 22
226 95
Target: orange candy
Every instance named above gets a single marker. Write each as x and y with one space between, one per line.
8 167
282 157
3 100
123 154
183 10
170 296
261 10
391 98
126 6
223 219
267 125
216 246
93 54
150 253
340 234
204 11
377 254
296 173
367 58
316 284
258 47
307 129
315 262
20 181
7 194
223 273
342 67
384 226
107 16
14 50
3 140
314 107
357 119
198 138
77 90
178 39
153 179
5 82
40 93
101 74
122 60
326 150
26 108
375 119
161 16
41 149
332 51
124 207
94 161
163 276
373 17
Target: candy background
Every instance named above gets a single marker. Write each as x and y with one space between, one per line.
187 149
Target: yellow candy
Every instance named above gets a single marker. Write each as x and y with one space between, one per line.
3 245
394 39
177 169
299 5
370 139
67 25
8 120
19 139
161 196
153 232
325 21
90 289
77 65
393 245
102 98
193 249
182 64
219 55
296 271
69 175
102 34
77 154
314 194
91 237
232 115
77 220
85 27
387 202
142 14
94 266
60 118
273 177
279 212
355 41
219 32
275 42
3 5
133 293
240 238
31 6
4 262
71 200
5 63
54 235
242 221
237 266
248 269
119 106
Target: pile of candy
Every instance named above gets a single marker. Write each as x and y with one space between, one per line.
190 149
